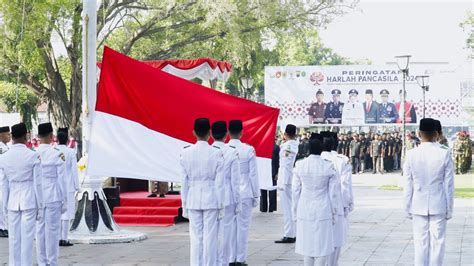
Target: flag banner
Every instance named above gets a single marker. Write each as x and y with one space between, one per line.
144 117
362 95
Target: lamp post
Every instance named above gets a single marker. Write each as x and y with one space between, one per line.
402 63
247 83
423 82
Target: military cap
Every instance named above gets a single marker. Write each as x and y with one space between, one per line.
438 125
45 129
369 91
202 125
427 124
290 129
4 129
353 91
336 92
19 130
235 126
219 129
384 91
319 92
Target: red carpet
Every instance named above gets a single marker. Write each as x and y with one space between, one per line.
138 210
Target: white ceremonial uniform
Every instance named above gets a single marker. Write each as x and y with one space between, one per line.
72 186
249 194
202 197
22 197
314 208
346 201
3 221
353 113
232 204
53 180
288 152
429 192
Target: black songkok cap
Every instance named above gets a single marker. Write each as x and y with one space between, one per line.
4 129
63 129
369 91
19 130
438 125
219 129
235 126
45 129
427 124
290 129
202 125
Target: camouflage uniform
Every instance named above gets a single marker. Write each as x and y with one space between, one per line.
459 151
467 155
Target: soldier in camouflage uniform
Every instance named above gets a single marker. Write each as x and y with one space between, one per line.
459 151
466 164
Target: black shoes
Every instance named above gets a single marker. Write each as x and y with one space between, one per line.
152 195
286 240
3 233
238 264
65 243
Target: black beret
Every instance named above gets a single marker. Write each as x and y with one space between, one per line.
353 91
19 130
384 91
336 92
202 125
219 128
369 91
319 92
235 126
290 129
438 125
427 124
45 129
4 129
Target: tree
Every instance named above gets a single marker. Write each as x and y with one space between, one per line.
144 29
468 25
21 100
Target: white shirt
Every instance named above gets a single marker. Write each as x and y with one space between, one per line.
202 169
353 113
21 168
429 174
249 182
3 148
231 173
72 181
288 152
344 169
53 173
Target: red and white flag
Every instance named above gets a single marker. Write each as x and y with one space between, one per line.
144 117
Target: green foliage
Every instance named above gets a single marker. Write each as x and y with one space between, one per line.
21 100
468 25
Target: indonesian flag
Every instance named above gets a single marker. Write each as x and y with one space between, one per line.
144 117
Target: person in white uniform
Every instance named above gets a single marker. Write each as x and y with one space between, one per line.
22 196
72 184
53 180
353 112
288 152
232 203
428 194
5 138
203 194
314 206
249 188
343 190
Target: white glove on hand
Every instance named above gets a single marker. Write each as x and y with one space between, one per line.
346 211
254 202
334 219
238 208
449 215
40 214
64 207
409 216
185 213
221 214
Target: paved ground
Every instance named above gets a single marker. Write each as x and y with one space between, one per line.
379 235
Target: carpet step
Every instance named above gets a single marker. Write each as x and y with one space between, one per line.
148 220
150 202
133 210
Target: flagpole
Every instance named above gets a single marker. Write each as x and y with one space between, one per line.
93 221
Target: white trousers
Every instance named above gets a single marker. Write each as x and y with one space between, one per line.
227 236
285 198
429 236
48 234
243 225
3 221
21 234
334 257
64 229
314 261
203 235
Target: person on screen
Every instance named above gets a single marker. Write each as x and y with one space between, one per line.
388 112
371 108
353 111
410 113
317 109
333 112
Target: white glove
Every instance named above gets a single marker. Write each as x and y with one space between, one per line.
238 208
185 213
409 216
221 214
346 211
254 202
334 219
449 215
40 214
64 207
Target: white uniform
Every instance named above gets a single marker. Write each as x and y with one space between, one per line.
22 197
232 204
249 194
203 198
288 152
429 191
53 169
345 201
72 186
353 114
3 221
314 208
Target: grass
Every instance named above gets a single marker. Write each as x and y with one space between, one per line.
390 187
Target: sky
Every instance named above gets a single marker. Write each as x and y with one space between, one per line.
380 30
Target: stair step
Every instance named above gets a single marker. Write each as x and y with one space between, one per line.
150 202
144 220
132 210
